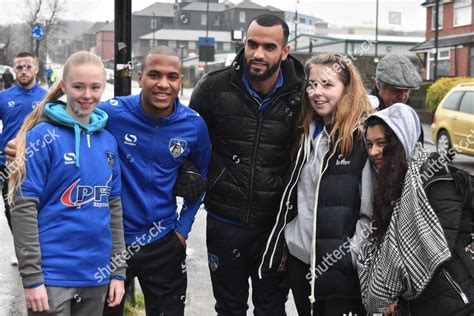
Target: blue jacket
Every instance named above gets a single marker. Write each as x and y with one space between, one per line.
73 213
15 104
151 153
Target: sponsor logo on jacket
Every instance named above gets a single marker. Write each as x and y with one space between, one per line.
69 158
77 195
341 161
130 139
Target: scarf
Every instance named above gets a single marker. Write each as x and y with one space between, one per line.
413 247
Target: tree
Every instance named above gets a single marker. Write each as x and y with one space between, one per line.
7 33
46 12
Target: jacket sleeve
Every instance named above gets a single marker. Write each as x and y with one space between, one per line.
447 204
200 156
118 245
363 225
24 216
201 100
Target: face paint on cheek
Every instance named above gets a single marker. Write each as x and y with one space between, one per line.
76 110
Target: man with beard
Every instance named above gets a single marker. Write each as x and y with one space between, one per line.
251 109
15 105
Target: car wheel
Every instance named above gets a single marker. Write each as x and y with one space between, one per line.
443 143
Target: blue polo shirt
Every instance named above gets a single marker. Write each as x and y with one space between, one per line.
264 102
15 105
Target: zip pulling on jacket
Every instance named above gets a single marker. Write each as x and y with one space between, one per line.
456 287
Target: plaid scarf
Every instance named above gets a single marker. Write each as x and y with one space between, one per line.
412 249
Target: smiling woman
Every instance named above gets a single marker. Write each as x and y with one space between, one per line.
48 186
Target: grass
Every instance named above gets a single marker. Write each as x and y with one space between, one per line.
139 305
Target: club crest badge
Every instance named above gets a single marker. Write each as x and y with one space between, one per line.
177 146
110 158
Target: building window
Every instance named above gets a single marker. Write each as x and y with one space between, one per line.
153 23
242 16
467 103
192 45
462 12
203 19
226 47
172 44
440 18
443 63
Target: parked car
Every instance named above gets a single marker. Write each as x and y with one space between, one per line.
453 122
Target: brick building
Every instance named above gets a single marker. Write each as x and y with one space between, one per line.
455 38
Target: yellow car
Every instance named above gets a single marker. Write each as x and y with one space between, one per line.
453 122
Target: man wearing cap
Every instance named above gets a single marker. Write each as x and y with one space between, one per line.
395 77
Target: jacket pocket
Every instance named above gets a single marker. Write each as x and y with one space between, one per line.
216 179
455 286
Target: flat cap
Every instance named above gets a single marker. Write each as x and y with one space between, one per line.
398 71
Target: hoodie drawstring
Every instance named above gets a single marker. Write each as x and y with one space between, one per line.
77 136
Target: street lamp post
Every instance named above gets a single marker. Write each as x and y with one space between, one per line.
153 27
207 34
376 59
436 35
296 25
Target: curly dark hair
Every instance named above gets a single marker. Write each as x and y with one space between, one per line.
390 177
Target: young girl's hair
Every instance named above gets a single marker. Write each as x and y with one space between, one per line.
390 177
17 167
351 109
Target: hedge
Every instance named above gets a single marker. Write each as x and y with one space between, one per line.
440 88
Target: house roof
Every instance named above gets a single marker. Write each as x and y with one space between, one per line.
273 9
429 3
380 38
107 27
187 35
448 41
202 6
160 10
246 4
94 28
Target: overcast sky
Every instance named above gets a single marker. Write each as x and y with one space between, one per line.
336 12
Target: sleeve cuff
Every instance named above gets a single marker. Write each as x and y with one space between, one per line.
32 281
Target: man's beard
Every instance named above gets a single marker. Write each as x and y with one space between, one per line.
26 83
261 76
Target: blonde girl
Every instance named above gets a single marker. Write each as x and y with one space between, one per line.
65 191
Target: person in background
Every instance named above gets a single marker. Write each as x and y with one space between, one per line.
325 212
395 78
7 79
48 73
65 192
251 109
16 103
415 261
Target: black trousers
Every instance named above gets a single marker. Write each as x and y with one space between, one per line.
234 255
161 270
300 287
4 183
